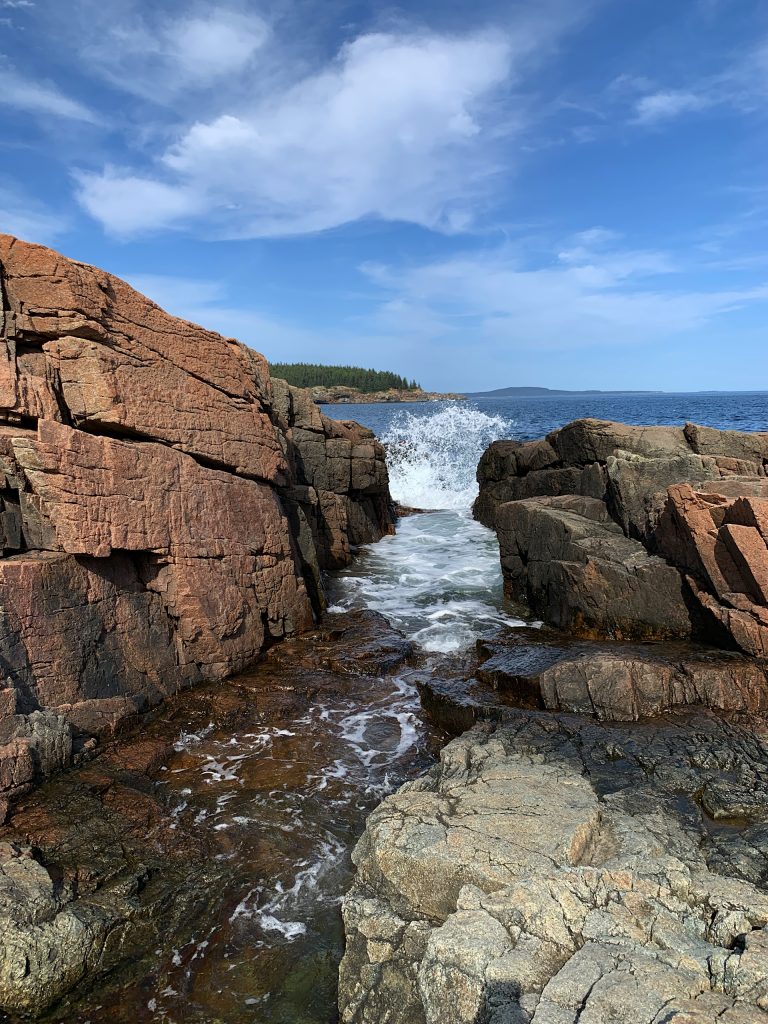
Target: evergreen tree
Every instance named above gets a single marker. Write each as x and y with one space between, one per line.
309 375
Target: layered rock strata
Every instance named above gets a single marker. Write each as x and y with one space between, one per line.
635 532
165 509
612 681
555 870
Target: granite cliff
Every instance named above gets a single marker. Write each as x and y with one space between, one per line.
166 509
635 532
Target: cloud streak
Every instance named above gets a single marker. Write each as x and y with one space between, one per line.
41 98
582 298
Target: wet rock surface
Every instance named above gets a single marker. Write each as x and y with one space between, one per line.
166 509
193 872
546 669
555 869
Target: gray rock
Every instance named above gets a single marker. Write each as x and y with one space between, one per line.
572 565
554 871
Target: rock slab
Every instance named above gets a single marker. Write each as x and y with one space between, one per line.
166 509
554 871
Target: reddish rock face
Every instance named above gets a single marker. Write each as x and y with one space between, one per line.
723 543
165 507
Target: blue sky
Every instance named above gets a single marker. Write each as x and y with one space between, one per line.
475 194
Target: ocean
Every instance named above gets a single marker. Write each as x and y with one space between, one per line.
534 416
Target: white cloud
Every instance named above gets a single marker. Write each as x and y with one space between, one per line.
124 201
16 4
664 106
397 127
36 97
581 299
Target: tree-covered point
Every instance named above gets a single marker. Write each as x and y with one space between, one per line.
313 375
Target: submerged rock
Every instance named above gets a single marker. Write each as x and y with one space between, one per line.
553 870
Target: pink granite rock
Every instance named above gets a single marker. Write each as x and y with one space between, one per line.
166 508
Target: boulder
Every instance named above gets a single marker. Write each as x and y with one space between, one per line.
635 531
166 509
571 564
556 870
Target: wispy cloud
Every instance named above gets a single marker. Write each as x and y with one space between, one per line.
666 105
160 56
38 97
24 217
207 302
586 295
741 84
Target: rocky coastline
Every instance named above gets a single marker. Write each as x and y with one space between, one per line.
166 508
593 846
342 395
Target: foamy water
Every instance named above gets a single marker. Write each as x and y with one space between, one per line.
433 459
438 579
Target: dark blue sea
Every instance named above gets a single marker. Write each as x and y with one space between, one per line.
535 416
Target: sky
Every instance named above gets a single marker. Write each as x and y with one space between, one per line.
478 195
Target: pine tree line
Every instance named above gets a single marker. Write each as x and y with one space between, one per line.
311 375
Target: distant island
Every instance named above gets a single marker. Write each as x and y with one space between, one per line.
523 392
354 385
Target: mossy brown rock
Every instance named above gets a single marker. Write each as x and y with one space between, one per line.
165 509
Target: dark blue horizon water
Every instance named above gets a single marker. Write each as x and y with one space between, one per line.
534 416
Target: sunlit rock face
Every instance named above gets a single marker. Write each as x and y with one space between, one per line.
557 869
165 507
635 532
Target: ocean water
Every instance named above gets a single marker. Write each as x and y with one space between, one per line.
534 416
438 579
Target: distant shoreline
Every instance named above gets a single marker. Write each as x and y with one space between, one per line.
349 396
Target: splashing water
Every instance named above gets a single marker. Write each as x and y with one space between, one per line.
438 579
433 459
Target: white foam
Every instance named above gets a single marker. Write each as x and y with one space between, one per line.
433 459
439 578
